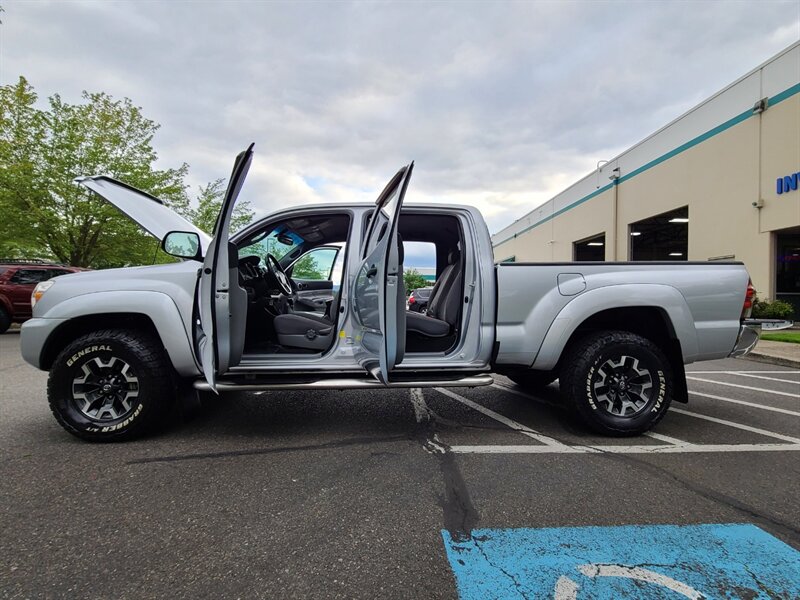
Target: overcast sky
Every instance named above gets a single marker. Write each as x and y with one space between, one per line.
501 105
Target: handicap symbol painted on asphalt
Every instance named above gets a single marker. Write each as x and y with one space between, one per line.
669 562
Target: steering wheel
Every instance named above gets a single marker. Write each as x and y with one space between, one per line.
278 275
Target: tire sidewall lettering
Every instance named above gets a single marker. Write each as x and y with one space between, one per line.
662 391
589 393
87 351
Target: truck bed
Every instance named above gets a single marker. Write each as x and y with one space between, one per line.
540 305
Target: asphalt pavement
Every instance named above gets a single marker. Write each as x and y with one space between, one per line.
407 493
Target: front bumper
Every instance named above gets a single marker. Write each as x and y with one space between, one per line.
751 329
33 336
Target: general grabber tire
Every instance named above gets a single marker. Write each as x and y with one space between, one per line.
531 380
111 385
618 383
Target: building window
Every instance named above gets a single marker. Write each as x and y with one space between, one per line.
663 237
787 269
591 249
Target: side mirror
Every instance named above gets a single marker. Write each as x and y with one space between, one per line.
183 244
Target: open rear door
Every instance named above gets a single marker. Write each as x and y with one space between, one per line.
378 299
222 301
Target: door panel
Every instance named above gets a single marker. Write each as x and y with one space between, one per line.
311 275
313 295
378 305
222 301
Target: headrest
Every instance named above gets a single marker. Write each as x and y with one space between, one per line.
452 257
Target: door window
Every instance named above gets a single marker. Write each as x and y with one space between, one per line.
316 265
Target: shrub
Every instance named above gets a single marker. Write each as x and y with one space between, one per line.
775 309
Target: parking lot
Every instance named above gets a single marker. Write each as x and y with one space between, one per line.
431 493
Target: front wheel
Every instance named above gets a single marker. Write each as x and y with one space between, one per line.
618 383
111 385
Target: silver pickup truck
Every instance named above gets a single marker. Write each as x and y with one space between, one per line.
312 297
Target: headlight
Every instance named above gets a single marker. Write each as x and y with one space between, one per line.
39 291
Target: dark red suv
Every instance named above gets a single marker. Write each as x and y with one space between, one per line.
17 280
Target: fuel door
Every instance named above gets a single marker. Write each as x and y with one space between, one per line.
571 284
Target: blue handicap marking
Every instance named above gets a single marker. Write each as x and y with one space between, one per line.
670 562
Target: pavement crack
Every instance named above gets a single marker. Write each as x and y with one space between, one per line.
459 513
787 529
761 585
477 542
357 441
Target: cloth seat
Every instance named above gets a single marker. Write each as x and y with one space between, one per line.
444 303
314 332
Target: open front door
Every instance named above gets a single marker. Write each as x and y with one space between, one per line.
378 299
222 302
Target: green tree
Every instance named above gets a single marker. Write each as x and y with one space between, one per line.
209 203
43 150
413 280
307 268
22 131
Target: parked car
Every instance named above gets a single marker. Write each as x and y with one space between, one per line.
18 278
418 300
121 345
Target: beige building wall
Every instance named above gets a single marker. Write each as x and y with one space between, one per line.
592 218
726 177
780 155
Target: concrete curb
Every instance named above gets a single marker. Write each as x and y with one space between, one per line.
773 360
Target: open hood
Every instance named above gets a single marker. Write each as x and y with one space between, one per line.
149 212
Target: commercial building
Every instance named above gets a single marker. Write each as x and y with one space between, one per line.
718 183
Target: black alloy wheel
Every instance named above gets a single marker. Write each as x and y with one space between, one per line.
112 385
618 383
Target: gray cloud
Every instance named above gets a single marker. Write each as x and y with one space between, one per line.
501 104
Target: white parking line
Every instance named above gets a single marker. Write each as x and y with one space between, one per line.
500 418
668 439
688 449
672 446
784 411
744 387
763 432
796 381
785 372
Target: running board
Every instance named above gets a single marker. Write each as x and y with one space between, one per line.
344 384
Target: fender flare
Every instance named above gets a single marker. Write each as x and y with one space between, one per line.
584 306
159 307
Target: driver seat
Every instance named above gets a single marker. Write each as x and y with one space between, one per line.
307 330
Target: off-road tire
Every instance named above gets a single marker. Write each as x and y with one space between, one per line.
103 351
595 360
5 320
531 380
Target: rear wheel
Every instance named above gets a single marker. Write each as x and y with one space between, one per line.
618 383
5 320
111 385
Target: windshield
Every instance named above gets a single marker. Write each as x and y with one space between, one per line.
279 242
